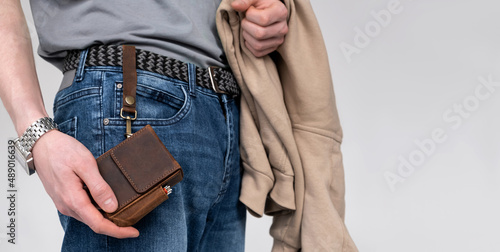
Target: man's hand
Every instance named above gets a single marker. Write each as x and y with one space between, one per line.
264 26
64 165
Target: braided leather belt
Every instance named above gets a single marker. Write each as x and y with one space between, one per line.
218 79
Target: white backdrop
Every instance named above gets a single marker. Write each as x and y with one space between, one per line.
417 91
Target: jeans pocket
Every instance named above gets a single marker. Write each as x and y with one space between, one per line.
158 102
73 95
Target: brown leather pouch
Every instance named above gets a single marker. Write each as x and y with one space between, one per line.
141 172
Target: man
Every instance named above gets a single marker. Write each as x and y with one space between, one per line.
203 213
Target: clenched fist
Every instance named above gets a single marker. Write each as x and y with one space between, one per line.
264 26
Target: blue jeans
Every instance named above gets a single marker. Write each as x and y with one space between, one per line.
201 130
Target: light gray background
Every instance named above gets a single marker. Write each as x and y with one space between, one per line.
395 92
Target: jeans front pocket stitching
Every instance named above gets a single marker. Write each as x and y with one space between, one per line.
150 90
77 94
181 113
150 93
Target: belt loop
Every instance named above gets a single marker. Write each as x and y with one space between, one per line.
81 65
192 79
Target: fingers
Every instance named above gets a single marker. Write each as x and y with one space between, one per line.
261 48
99 189
274 13
78 205
88 214
264 26
262 40
276 30
242 5
80 208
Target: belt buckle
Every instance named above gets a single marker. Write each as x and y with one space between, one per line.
215 87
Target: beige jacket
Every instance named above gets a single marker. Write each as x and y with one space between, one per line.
290 134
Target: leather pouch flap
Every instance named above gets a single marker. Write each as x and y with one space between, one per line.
150 154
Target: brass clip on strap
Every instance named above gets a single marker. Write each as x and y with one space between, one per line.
129 86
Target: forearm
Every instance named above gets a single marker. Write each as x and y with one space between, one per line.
19 88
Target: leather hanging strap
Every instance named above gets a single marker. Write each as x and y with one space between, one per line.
129 78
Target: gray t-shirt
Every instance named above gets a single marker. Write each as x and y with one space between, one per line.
181 29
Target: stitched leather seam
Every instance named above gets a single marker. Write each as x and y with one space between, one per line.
119 212
123 170
162 176
132 181
138 195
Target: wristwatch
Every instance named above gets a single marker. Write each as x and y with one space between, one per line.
24 144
